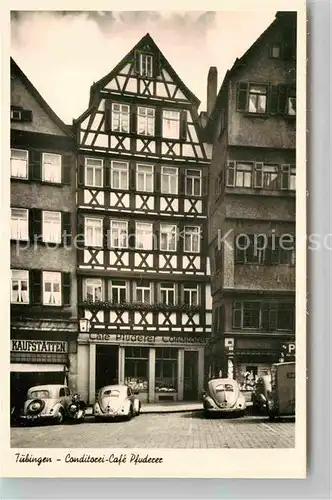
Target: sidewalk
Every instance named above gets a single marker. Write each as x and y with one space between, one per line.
171 407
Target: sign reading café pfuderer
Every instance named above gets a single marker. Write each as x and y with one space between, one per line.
124 338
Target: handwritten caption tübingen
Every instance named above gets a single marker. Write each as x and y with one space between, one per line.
86 458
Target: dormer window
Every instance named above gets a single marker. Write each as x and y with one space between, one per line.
146 65
16 114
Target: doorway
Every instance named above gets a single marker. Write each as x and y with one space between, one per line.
190 383
106 366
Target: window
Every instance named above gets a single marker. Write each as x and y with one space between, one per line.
136 368
19 163
268 316
51 289
167 293
146 66
267 176
192 235
16 114
288 177
257 98
119 234
239 174
120 117
291 102
190 294
193 185
144 178
93 232
20 287
168 234
143 292
169 180
19 224
252 249
118 291
93 172
93 289
51 167
171 124
166 369
145 121
144 235
275 51
119 175
51 227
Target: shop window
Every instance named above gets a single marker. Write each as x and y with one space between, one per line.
136 368
166 370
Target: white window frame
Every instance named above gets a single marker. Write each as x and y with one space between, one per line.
120 167
55 178
52 233
167 175
192 178
291 106
260 98
122 240
21 233
55 279
118 288
143 289
95 284
193 232
167 290
96 223
146 65
99 167
146 172
123 116
20 276
147 120
191 290
21 160
170 238
148 230
168 122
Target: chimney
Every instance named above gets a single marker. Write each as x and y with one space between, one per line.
212 82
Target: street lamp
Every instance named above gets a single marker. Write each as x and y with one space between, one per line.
84 325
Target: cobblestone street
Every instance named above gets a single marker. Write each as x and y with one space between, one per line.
168 430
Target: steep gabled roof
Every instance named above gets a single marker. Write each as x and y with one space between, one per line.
16 70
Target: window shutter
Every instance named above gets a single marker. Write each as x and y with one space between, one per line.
35 225
258 182
80 231
158 123
81 170
26 116
66 228
231 173
183 125
66 288
282 99
156 65
273 99
133 119
242 96
108 115
35 167
284 179
205 183
35 286
68 165
137 61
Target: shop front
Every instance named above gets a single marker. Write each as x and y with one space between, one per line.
159 368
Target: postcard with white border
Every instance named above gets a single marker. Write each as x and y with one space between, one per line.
154 166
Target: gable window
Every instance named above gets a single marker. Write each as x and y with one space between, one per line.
19 287
144 178
93 232
119 175
167 293
146 65
19 163
119 234
257 98
145 121
93 172
93 289
190 295
171 124
143 292
169 180
144 235
192 236
19 224
51 289
193 182
239 174
168 233
51 227
120 117
51 167
118 291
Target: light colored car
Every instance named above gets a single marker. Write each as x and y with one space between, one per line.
281 399
46 402
223 396
116 401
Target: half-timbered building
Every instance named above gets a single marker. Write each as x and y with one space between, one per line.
143 273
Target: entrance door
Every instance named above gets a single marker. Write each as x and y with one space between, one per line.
106 366
190 385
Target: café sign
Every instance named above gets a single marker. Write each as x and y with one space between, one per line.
41 346
145 339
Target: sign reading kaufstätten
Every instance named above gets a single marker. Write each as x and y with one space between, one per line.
42 346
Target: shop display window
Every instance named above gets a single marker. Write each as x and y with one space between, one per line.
136 368
166 369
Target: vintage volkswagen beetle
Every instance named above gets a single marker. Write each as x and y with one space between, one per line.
223 396
46 402
116 401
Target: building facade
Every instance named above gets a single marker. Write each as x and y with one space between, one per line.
144 298
251 214
43 262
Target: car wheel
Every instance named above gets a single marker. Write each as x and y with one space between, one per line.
60 417
130 414
139 410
